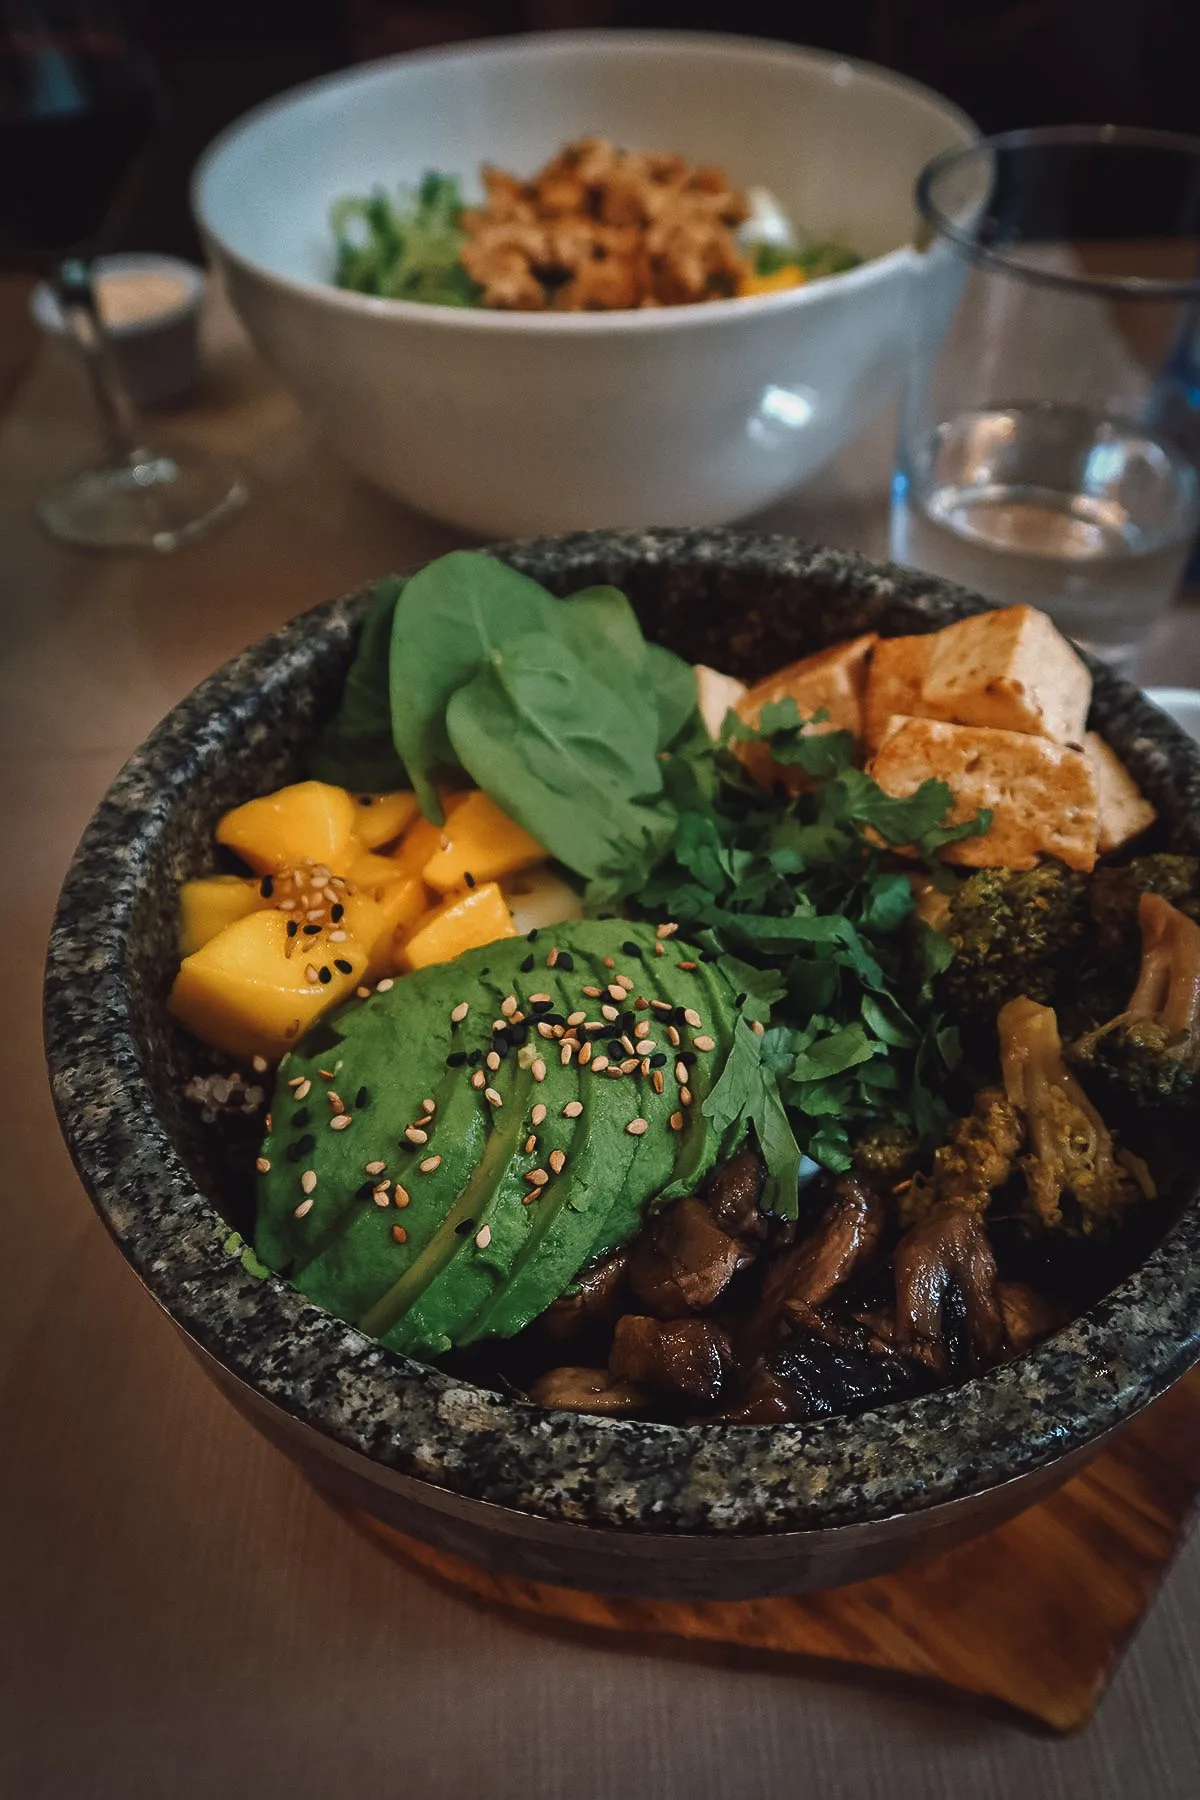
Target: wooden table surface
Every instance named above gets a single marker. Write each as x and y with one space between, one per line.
179 1615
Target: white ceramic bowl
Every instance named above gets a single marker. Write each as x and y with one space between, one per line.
521 423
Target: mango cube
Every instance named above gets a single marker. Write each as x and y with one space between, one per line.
373 920
242 992
421 841
309 820
369 872
209 904
479 916
378 818
479 840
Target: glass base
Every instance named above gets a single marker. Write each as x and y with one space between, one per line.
151 501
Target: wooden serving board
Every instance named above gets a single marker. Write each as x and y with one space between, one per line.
1034 1616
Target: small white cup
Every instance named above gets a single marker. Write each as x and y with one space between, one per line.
157 350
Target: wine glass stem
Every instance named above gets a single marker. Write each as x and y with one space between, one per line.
119 416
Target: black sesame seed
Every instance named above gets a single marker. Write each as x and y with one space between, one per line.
292 928
304 1144
739 1002
542 1006
312 930
554 1018
629 948
463 1226
294 1153
658 1060
266 886
301 1117
468 878
531 937
616 1049
565 961
342 966
500 1041
687 1056
456 1059
518 1035
627 1022
325 976
527 965
362 1098
474 1058
337 911
364 1190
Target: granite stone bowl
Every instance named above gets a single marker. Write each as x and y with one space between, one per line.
711 1511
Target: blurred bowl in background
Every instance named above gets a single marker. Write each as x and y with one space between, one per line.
150 308
523 422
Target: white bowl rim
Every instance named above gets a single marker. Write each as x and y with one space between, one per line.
719 45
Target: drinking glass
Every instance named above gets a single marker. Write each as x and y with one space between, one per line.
79 104
1041 450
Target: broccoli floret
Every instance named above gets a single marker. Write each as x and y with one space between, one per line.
1149 1055
1013 932
884 1152
1114 896
976 1159
1070 1155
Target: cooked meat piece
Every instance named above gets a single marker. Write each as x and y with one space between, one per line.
829 1380
846 1239
587 1390
596 1298
947 1306
765 1400
1028 1316
686 1356
682 1261
733 1194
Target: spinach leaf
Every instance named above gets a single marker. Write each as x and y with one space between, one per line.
355 748
561 753
601 627
450 617
673 684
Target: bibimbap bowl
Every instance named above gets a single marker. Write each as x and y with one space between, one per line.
713 1511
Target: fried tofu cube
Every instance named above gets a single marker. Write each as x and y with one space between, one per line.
833 681
716 694
1042 795
894 682
1124 810
1010 669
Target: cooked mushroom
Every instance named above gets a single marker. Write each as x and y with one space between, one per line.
682 1261
587 1390
684 1356
847 1237
829 1380
733 1194
947 1305
594 1299
1028 1316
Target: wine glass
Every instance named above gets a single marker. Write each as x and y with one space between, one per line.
79 105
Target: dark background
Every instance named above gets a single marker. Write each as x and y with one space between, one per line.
1006 62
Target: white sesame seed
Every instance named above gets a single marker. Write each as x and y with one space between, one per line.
629 1065
263 1165
429 1106
304 1207
544 1030
681 1072
572 1109
362 993
657 1079
338 937
552 959
483 1237
673 1037
382 987
610 962
705 1043
659 950
610 1013
662 1006
286 905
676 1121
616 992
310 974
308 1180
492 1097
576 1018
530 1144
557 1159
599 1063
646 1047
429 1165
585 1055
565 1054
425 1119
339 1121
478 1078
642 1028
636 1127
401 1196
539 1070
538 1114
536 1177
541 999
685 1094
758 1028
508 1005
460 1012
692 1018
626 1044
593 993
374 1168
259 1064
493 1059
380 1197
666 930
415 1135
302 1090
295 1081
